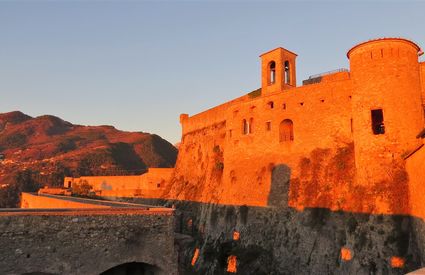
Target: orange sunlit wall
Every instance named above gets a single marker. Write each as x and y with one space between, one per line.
336 153
35 201
150 184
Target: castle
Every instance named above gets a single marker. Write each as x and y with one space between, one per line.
346 140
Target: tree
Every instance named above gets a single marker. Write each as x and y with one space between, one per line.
23 181
82 189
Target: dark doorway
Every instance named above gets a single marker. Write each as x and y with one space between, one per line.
132 269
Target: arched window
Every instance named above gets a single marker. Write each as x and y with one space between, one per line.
287 72
286 131
251 125
272 72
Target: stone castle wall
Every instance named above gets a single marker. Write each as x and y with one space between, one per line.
334 160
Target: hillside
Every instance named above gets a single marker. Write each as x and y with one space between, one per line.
51 148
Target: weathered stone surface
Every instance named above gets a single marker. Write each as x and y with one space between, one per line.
86 244
281 240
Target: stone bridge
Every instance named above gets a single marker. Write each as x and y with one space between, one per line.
121 239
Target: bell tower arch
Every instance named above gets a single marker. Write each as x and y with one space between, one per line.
278 70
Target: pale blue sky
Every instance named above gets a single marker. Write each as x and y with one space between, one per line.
138 65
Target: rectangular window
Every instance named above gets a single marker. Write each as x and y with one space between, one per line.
378 126
268 125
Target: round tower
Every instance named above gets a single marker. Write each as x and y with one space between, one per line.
386 105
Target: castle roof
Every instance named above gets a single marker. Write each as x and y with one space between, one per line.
385 39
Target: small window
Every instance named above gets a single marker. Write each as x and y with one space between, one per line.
230 133
284 106
351 125
378 126
245 127
268 126
272 72
302 103
158 185
270 104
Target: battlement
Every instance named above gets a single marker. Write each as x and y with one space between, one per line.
334 75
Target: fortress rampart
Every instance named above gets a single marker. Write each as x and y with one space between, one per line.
345 140
342 138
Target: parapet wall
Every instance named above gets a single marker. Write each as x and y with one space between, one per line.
38 201
209 117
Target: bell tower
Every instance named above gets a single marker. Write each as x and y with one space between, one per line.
277 70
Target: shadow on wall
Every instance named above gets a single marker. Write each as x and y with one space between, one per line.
133 268
279 189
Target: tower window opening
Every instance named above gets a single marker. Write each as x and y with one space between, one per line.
270 104
268 126
287 72
272 71
378 126
286 131
284 106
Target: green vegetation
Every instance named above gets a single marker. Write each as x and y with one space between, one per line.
82 189
23 181
66 145
13 140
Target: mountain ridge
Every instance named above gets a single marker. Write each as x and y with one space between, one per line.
50 145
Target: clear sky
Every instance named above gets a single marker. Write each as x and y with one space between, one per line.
138 65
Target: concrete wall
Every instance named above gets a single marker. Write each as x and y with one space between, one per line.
149 184
85 242
35 201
